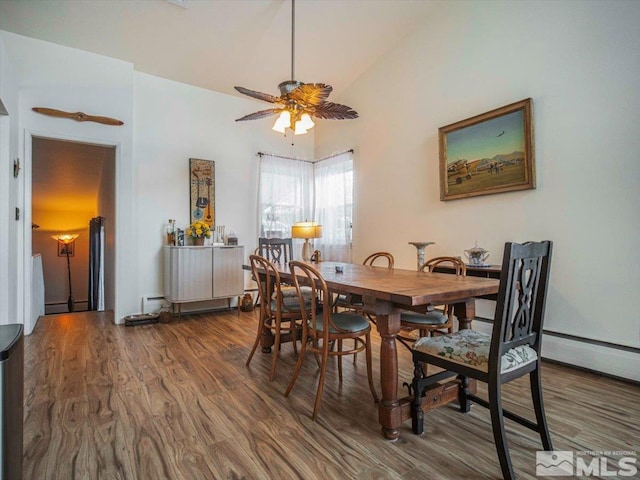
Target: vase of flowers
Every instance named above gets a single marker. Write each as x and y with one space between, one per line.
198 231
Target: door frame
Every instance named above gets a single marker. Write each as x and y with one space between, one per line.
26 241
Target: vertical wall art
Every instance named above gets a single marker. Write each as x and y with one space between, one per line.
202 183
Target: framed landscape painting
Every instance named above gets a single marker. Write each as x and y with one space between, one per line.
488 153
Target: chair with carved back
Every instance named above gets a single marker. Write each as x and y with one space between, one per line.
511 351
281 315
435 320
321 328
277 250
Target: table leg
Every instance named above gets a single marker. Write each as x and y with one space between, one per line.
267 339
389 412
465 312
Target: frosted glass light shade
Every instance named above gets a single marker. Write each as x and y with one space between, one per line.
283 122
304 124
306 121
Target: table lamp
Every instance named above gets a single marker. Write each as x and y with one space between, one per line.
306 230
65 248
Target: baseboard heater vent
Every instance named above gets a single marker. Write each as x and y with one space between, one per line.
153 303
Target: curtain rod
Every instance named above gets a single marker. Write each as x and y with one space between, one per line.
335 155
260 154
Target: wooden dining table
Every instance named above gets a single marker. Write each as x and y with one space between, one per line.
388 292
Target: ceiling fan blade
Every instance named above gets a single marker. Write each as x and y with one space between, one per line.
311 93
259 95
260 114
334 111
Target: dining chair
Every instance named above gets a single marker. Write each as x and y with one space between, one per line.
280 315
322 328
354 301
511 351
437 319
276 249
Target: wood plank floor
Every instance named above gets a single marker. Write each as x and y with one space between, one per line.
175 401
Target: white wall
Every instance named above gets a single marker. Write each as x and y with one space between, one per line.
579 62
8 192
49 75
175 122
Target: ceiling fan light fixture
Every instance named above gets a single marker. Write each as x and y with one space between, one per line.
306 122
283 122
299 130
299 101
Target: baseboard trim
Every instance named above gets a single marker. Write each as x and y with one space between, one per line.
605 359
618 361
589 370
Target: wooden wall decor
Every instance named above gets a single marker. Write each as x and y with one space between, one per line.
202 185
78 116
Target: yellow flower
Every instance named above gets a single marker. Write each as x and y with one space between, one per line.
198 229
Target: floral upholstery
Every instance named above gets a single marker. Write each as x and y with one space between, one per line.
471 348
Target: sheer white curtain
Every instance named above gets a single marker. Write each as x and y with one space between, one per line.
334 206
285 195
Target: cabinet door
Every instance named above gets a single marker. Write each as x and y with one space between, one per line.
228 276
190 274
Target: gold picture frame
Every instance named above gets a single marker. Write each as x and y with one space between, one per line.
202 188
488 153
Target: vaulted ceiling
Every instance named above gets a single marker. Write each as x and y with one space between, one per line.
213 44
217 44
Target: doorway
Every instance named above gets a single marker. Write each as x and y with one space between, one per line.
72 182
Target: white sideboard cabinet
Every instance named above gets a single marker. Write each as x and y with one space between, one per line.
193 274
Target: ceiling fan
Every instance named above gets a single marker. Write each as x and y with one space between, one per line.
298 101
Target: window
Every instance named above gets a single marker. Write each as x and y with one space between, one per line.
334 206
293 190
285 195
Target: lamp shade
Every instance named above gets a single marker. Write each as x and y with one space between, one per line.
65 238
283 121
306 230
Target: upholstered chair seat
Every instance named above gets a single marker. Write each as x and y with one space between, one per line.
471 348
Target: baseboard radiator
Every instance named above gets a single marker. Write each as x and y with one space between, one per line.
154 303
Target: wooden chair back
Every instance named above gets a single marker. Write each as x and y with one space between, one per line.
278 250
268 283
521 298
456 262
383 256
319 312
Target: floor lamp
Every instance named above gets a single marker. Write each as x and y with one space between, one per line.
65 247
306 230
